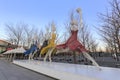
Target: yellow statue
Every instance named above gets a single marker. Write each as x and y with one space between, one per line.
51 43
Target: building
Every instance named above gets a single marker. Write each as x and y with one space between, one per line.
3 45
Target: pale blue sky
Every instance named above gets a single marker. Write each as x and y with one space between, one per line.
41 12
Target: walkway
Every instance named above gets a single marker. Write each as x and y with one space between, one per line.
9 71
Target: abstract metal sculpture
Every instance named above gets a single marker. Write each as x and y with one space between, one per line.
50 47
72 43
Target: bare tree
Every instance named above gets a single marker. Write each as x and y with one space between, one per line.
29 34
15 32
40 37
84 35
87 39
110 29
21 34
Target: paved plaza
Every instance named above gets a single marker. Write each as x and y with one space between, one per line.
9 71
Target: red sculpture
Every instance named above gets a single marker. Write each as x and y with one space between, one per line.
72 43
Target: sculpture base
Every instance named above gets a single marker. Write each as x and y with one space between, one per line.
64 71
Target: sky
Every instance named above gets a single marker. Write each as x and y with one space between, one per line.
42 12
